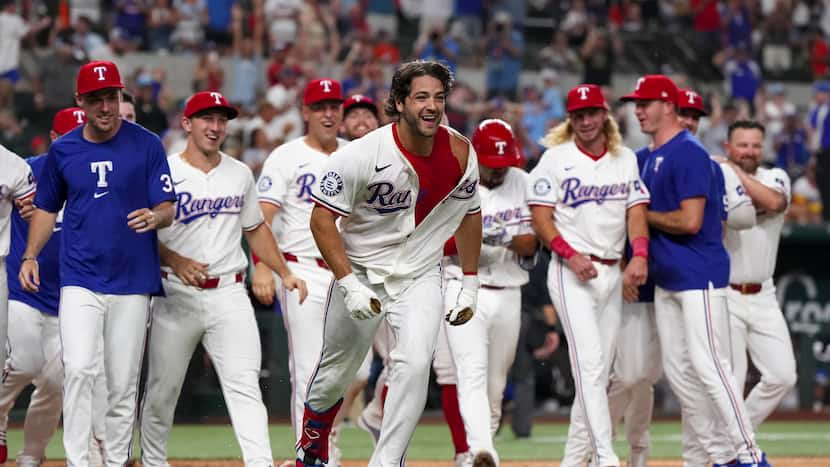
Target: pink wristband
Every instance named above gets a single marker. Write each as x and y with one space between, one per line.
639 247
561 247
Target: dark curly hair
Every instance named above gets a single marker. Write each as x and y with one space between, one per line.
406 72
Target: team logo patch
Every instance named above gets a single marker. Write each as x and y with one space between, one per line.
265 183
542 187
331 184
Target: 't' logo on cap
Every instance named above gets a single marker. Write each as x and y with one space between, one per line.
101 72
216 97
326 85
583 92
500 145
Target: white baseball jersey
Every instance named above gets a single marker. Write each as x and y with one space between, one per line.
286 180
753 251
16 182
212 209
505 204
372 184
590 196
739 209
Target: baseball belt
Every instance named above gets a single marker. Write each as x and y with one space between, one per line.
210 282
747 288
294 259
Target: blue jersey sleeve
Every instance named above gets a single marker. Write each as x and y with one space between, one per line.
692 173
51 188
159 182
720 189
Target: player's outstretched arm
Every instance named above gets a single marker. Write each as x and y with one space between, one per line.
189 271
636 271
684 221
145 219
548 234
262 243
40 230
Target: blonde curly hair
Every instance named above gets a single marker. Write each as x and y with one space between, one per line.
564 132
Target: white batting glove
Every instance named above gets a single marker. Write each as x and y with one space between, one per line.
465 304
361 302
496 234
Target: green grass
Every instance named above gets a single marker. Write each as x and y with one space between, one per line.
779 439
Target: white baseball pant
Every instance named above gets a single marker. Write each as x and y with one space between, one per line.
635 370
486 347
590 316
34 357
372 414
693 330
4 308
758 326
122 320
304 325
414 316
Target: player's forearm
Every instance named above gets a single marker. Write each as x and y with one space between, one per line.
684 221
524 245
741 217
468 241
328 240
40 230
164 214
262 243
542 222
763 197
636 221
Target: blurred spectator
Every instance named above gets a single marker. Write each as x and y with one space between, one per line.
281 59
88 40
599 53
806 204
218 28
535 121
208 74
558 55
737 24
160 25
552 95
468 19
191 15
790 145
55 81
777 35
819 55
255 154
820 141
742 75
434 15
719 120
385 51
776 107
707 23
283 17
147 111
130 21
247 68
503 57
280 124
437 45
575 23
12 31
11 133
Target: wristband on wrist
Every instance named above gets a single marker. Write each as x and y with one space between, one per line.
28 258
254 258
639 247
561 247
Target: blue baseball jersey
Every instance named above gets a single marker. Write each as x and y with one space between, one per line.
46 300
681 169
101 184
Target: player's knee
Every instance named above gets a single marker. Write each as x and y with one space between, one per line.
413 366
782 380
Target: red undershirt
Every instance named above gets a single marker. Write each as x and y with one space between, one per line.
438 173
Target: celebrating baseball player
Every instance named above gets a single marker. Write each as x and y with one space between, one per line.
203 275
402 191
285 187
691 267
360 116
585 196
484 348
114 179
756 321
33 327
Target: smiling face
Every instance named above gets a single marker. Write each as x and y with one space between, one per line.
206 130
102 109
690 119
745 147
423 108
324 119
651 115
587 125
358 122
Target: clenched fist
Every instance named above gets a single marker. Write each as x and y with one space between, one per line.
361 302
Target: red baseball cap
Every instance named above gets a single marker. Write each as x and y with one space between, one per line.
323 89
495 144
586 96
359 100
205 100
67 120
653 87
689 99
97 75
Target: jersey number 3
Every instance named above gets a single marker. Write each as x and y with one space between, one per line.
168 183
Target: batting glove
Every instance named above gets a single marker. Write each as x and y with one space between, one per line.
496 235
465 304
361 302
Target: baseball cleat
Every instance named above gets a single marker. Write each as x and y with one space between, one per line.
4 449
484 459
463 459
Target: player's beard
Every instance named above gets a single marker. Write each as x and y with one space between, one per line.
419 126
749 164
